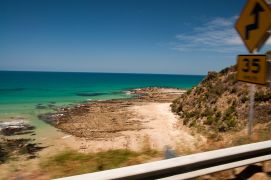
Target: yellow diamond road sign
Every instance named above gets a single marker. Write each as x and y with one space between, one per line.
254 23
252 69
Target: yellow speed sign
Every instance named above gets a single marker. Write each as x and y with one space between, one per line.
252 68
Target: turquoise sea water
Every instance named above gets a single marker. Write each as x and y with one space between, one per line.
28 94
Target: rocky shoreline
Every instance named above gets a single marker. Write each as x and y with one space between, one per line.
18 148
16 127
107 119
14 146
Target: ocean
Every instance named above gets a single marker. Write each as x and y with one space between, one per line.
27 94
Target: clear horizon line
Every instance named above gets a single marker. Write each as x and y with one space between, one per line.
100 72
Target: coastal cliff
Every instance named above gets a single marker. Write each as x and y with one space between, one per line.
220 103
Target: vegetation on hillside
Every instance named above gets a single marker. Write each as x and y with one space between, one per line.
220 103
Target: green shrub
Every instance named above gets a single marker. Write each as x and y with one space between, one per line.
233 90
224 71
209 121
198 90
210 76
231 78
176 106
244 99
215 136
231 123
189 91
186 121
193 123
218 115
261 96
218 89
207 112
221 126
229 111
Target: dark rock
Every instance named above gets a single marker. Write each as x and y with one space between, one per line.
52 106
14 147
48 117
31 157
89 94
15 128
40 106
32 148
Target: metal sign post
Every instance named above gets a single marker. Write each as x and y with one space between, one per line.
251 108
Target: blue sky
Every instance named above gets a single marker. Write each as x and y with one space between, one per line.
135 36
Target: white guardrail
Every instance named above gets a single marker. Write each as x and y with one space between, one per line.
189 166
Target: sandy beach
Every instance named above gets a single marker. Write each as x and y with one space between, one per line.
145 121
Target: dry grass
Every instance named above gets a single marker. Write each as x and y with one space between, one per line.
70 162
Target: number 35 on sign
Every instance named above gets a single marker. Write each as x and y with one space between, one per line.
252 68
